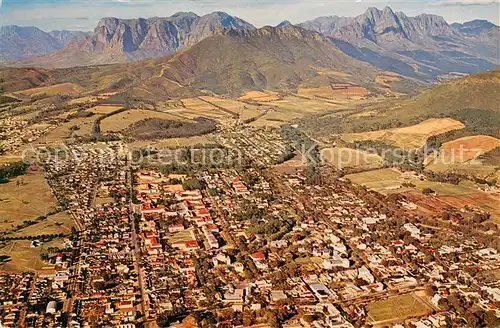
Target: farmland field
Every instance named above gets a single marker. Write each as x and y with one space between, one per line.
378 179
293 107
387 78
477 199
335 91
82 126
24 198
90 99
104 109
347 157
195 107
396 309
466 149
123 120
234 107
485 201
260 96
413 136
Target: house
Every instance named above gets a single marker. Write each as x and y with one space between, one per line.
364 274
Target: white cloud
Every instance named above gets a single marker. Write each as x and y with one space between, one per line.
465 2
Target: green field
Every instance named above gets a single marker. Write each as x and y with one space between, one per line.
378 179
396 309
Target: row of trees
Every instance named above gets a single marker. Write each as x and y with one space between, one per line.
12 170
155 128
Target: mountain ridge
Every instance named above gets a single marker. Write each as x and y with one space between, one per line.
425 47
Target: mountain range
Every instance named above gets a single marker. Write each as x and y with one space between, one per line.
18 42
122 40
422 48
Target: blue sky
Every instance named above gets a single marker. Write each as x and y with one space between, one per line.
84 15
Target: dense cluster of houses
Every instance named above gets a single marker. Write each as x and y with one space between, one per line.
15 133
263 146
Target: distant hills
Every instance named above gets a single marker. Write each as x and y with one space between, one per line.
424 48
18 42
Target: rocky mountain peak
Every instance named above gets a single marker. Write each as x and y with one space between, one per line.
284 23
476 26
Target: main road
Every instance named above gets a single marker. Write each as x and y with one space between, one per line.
137 251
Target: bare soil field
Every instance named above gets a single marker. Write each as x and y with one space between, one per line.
348 158
413 136
434 205
485 201
121 121
466 149
260 96
57 89
396 308
386 79
335 91
24 198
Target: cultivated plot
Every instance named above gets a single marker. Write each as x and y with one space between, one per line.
409 137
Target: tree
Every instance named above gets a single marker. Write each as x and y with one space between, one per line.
427 191
491 320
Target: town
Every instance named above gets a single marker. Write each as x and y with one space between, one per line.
251 245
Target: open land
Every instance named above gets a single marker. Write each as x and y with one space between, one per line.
104 109
81 126
53 224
